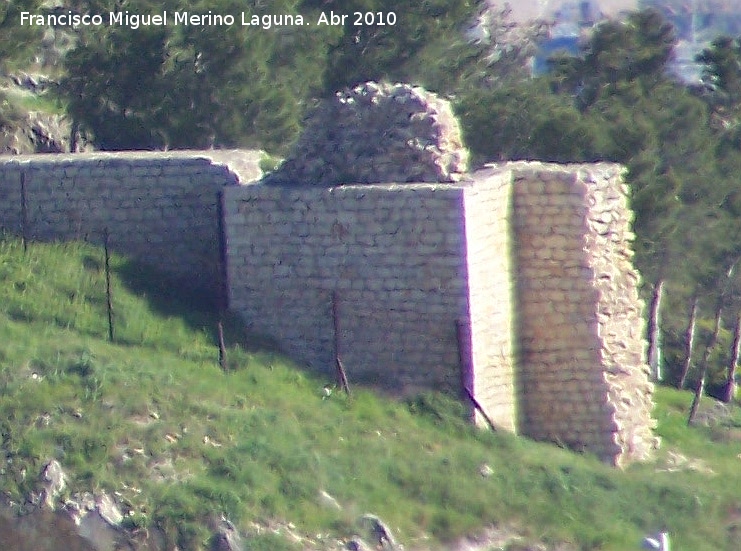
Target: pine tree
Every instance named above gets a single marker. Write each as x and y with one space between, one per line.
193 86
17 41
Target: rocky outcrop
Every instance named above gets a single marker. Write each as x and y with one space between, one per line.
35 132
377 133
26 131
226 538
53 481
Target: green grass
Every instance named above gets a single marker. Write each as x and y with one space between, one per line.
153 419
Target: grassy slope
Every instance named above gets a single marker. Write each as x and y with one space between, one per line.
259 443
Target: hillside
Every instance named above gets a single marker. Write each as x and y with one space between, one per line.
181 447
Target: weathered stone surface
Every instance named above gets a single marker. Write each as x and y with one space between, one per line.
583 372
161 208
393 293
35 132
377 133
328 501
406 263
52 482
379 533
41 531
521 257
98 519
356 543
227 538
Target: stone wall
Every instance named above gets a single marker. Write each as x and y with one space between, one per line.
391 253
161 208
488 251
532 259
583 378
515 282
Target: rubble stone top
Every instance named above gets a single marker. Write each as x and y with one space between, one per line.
377 133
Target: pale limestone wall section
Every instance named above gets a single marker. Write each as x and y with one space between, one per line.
161 208
583 380
620 319
393 254
559 369
488 206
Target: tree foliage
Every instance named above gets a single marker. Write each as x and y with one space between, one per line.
391 51
615 102
721 77
193 85
196 86
17 42
620 54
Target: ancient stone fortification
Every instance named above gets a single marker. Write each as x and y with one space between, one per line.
377 133
514 282
534 259
161 208
580 331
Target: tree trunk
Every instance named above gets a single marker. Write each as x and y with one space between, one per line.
729 391
689 343
700 388
654 331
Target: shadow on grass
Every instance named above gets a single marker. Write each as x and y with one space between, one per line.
198 307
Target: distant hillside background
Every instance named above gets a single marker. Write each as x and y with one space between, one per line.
524 10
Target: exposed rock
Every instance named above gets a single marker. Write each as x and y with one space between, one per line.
226 538
379 532
712 413
675 462
97 530
53 482
33 83
41 531
504 537
357 544
24 131
377 133
485 470
108 510
35 132
328 501
98 519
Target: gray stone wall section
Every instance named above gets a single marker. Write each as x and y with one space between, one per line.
582 375
160 208
393 255
534 258
619 312
488 206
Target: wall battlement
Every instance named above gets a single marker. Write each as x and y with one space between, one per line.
533 259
